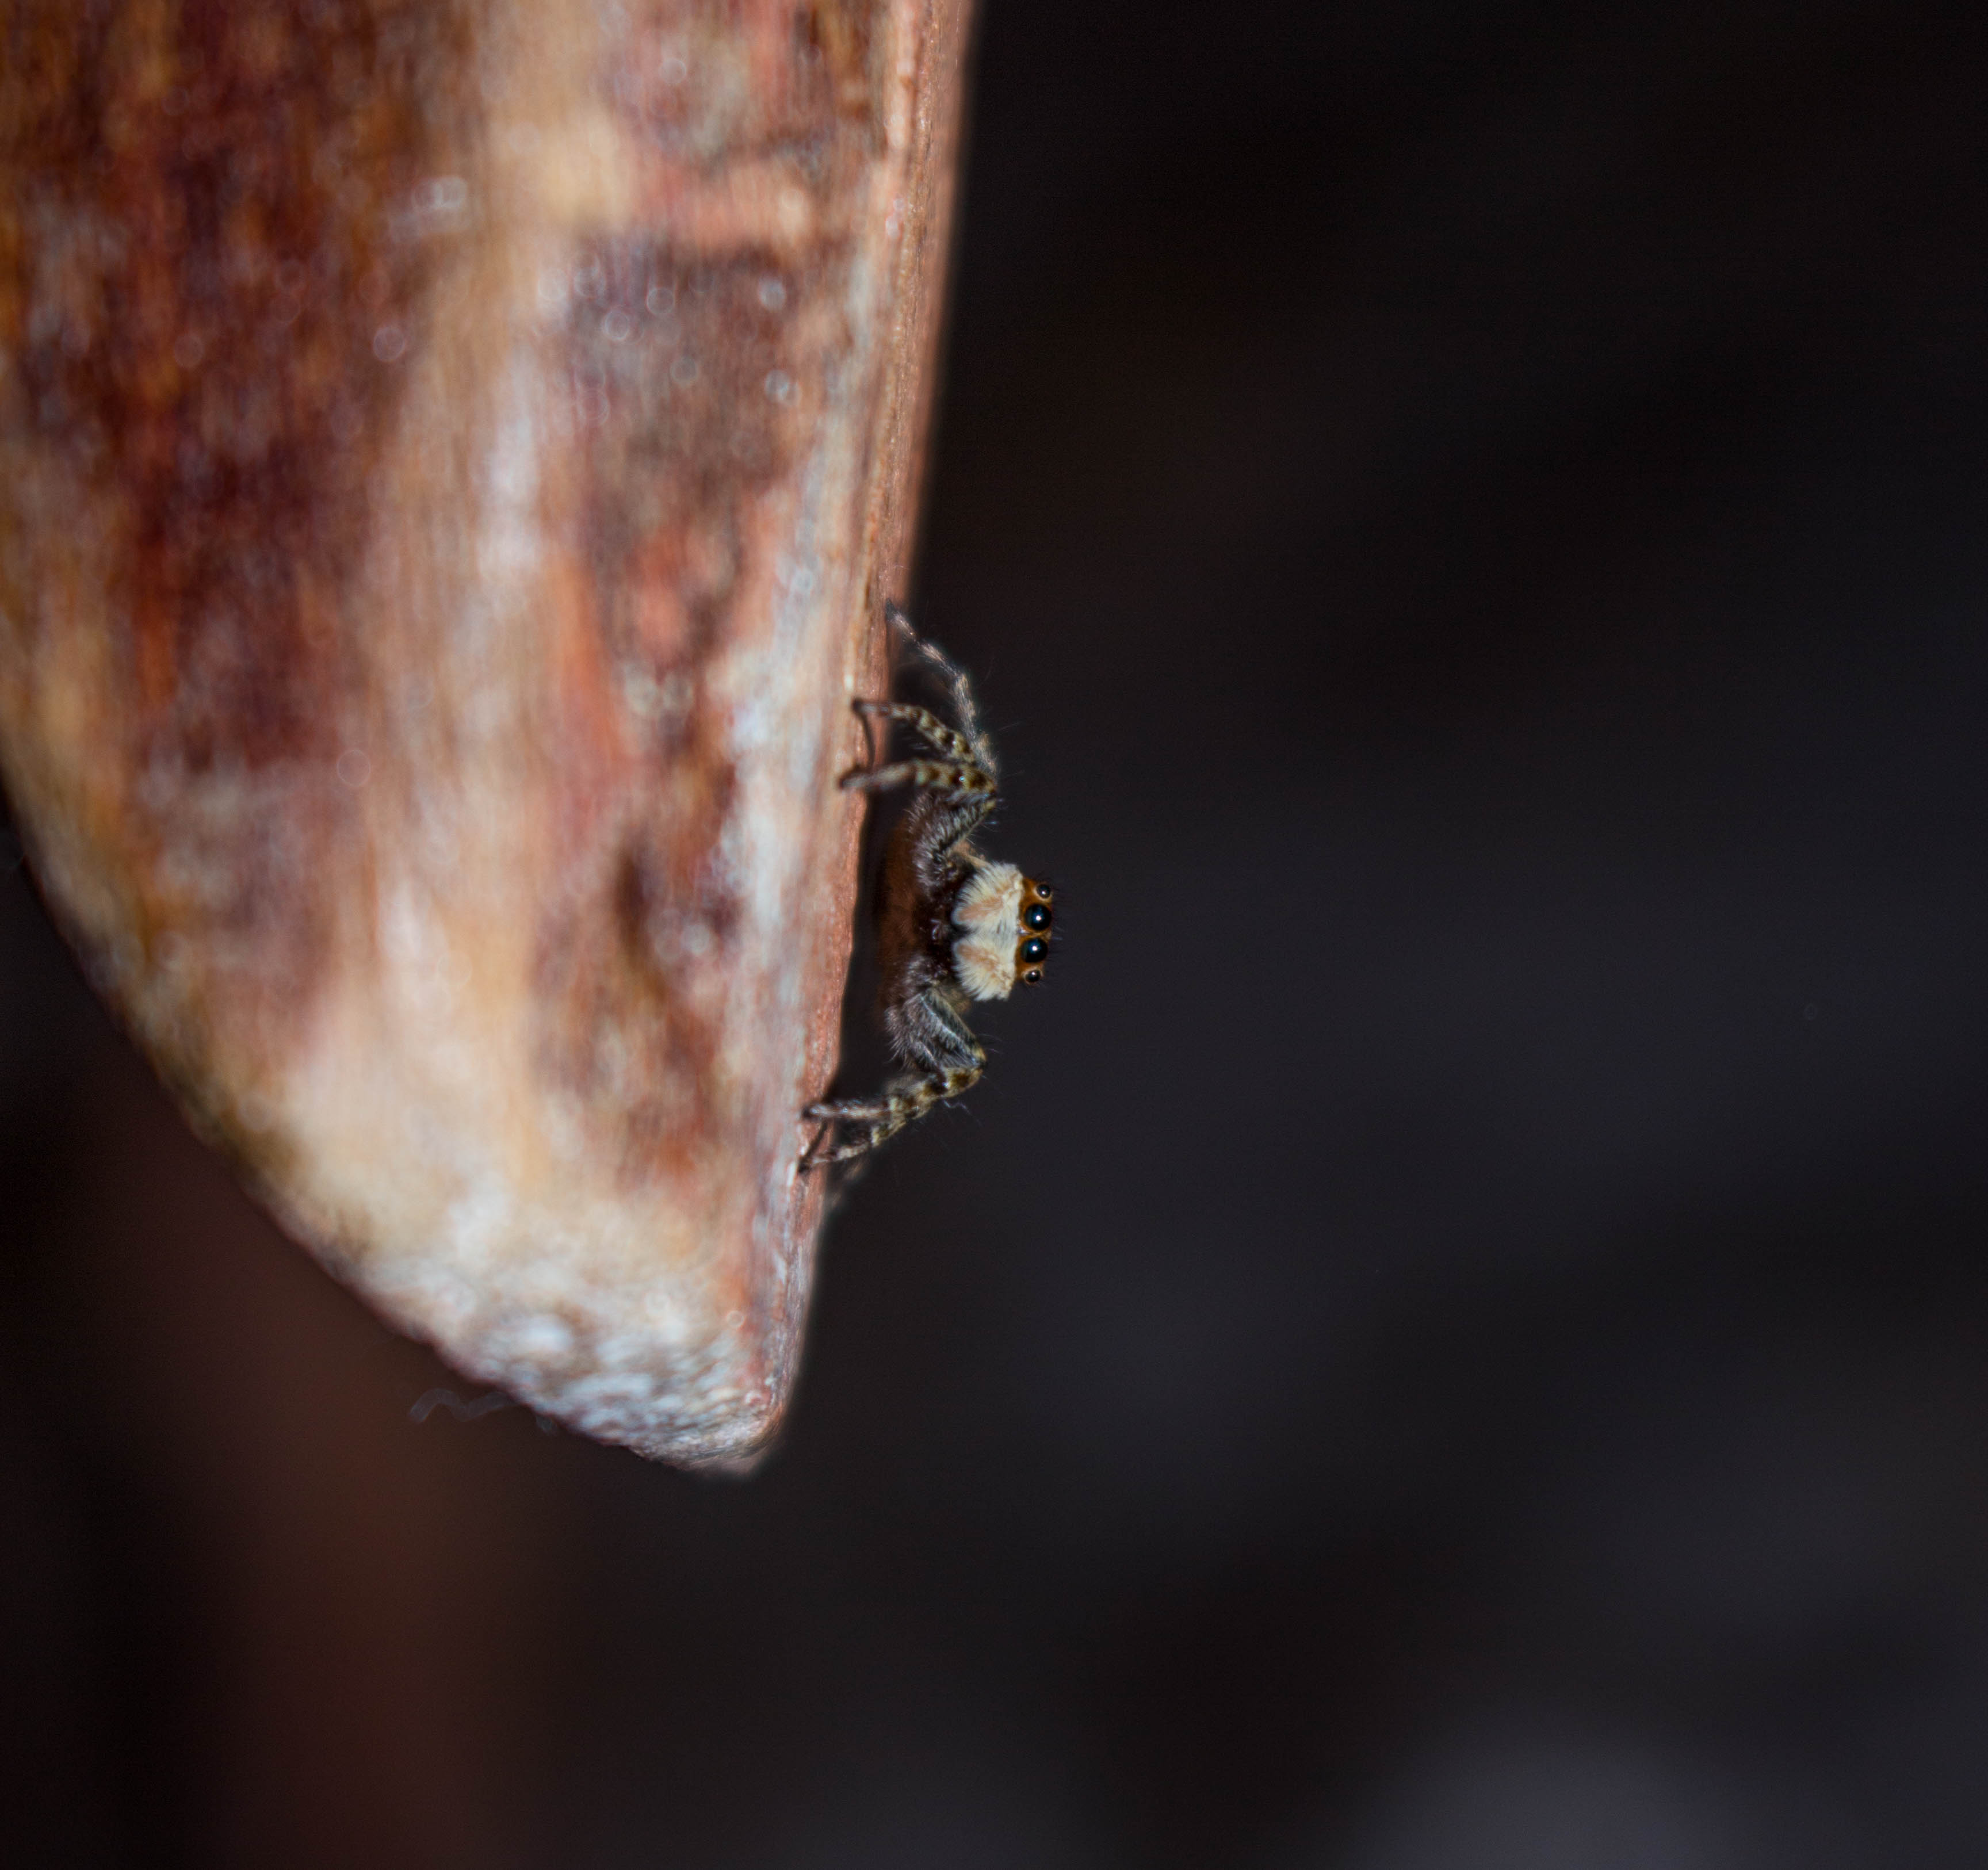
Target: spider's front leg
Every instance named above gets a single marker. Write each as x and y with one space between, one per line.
964 708
930 1034
956 780
944 740
900 1104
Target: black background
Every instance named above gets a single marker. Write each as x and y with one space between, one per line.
1455 1335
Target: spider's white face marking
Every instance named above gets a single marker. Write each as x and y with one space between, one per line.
988 911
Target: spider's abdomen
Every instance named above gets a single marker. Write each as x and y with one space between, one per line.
914 907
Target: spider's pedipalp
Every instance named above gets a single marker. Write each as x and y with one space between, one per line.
927 1030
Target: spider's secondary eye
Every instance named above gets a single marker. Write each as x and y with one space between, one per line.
1034 948
1036 915
1033 976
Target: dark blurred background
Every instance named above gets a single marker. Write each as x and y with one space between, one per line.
1455 1336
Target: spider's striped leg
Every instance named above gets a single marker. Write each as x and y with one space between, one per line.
933 1035
956 780
964 708
877 1119
927 725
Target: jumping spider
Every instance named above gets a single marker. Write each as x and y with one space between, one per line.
952 927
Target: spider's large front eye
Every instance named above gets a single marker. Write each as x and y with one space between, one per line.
1034 950
1036 915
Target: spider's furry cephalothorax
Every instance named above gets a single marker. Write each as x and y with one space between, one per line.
953 926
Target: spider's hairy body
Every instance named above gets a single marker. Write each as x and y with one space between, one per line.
953 926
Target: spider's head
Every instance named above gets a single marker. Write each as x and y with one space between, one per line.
1032 945
1003 919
